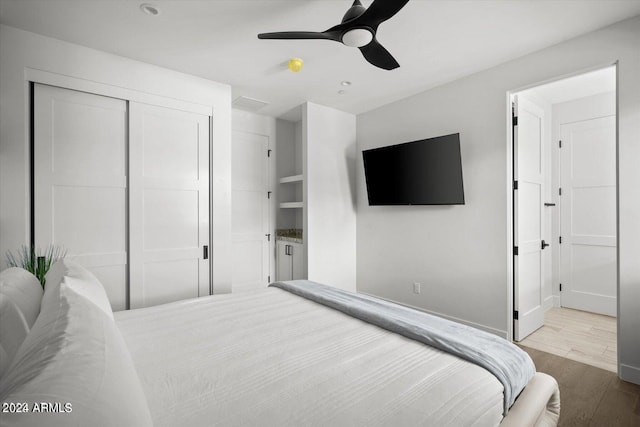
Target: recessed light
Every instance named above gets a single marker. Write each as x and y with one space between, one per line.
345 83
149 9
342 92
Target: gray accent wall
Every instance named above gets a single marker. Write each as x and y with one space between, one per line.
460 253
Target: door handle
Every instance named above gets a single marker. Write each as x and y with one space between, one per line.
205 252
543 245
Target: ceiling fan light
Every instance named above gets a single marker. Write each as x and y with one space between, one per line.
357 37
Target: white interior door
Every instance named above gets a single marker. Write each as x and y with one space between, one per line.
528 199
169 204
80 182
250 211
588 215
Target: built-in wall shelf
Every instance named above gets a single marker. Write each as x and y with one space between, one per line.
294 178
291 205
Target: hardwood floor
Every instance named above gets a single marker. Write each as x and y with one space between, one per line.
577 335
590 396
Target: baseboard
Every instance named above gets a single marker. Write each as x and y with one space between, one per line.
556 300
548 303
498 332
630 373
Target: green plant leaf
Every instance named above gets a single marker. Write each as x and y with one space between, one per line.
35 260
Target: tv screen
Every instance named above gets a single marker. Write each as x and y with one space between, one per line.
425 172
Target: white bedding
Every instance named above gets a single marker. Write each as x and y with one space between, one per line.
270 358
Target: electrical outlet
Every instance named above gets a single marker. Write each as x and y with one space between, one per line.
416 287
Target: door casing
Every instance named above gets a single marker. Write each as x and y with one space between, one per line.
509 195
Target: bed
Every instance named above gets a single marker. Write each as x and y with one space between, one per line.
263 358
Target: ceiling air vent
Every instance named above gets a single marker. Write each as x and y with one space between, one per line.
249 104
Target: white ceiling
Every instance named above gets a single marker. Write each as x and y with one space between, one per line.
435 41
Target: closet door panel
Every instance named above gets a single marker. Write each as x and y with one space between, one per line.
80 182
80 212
170 219
161 158
169 204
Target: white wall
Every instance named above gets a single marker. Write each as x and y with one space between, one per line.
299 189
23 53
329 147
289 162
586 108
285 166
459 253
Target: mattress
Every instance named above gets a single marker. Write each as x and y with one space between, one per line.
271 358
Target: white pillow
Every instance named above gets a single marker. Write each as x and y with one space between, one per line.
75 357
78 278
24 290
13 330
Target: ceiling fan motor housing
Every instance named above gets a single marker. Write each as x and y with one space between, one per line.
354 11
356 37
358 29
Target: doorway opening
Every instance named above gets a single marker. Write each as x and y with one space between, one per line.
564 217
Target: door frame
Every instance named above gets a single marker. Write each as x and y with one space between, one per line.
509 193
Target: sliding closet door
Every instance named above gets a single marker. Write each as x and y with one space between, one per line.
169 204
80 181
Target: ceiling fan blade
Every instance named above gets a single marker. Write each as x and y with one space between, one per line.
335 32
295 35
377 55
379 11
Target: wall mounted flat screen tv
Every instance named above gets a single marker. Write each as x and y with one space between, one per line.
425 172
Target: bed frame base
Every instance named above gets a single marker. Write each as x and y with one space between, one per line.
537 406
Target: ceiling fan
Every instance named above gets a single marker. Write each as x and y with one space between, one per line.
357 29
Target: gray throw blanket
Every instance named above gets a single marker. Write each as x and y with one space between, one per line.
510 365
